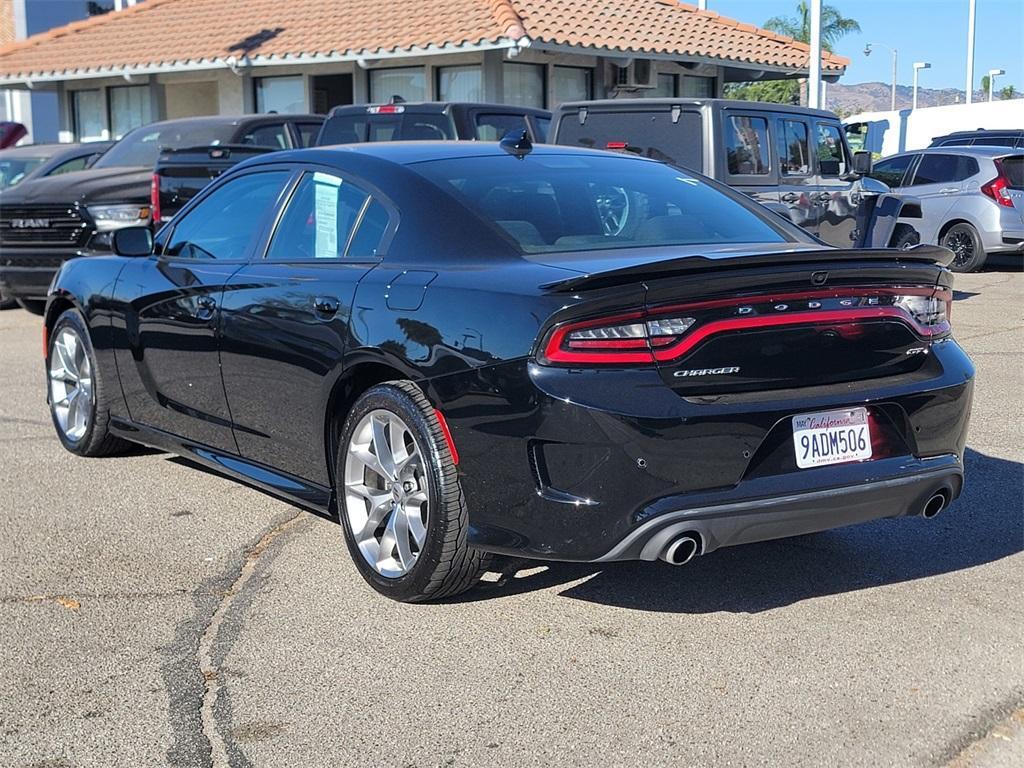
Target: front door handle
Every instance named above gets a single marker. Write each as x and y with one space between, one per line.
205 307
326 307
790 197
824 197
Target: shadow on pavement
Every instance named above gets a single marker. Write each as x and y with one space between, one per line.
984 525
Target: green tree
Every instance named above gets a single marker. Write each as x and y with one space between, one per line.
834 25
774 91
1007 93
984 85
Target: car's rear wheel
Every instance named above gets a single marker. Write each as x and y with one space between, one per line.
399 498
965 243
79 395
35 306
904 237
6 302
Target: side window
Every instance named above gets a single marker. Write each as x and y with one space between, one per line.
831 152
493 127
320 219
75 164
367 239
307 133
275 136
935 169
223 225
746 145
794 152
891 170
965 167
995 141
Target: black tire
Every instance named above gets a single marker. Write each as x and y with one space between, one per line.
97 439
35 306
905 236
965 243
445 564
6 303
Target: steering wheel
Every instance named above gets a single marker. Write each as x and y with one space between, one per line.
613 209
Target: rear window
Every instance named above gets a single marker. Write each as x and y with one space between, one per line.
143 146
494 126
550 203
652 134
353 129
1013 170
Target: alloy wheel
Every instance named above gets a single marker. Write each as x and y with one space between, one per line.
71 385
386 493
960 242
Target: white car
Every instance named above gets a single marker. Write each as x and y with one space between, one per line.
972 198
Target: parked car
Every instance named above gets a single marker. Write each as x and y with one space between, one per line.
11 133
793 160
456 349
47 221
981 138
972 198
431 121
34 161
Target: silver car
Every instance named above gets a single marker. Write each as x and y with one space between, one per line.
972 198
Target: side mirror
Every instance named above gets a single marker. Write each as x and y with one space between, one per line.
862 162
133 241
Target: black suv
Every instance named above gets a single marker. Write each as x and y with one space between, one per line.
980 138
430 121
793 160
46 221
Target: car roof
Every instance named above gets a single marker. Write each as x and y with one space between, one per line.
409 152
961 149
232 119
632 105
982 132
39 150
435 107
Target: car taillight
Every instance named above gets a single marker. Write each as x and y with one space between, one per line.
612 342
154 198
999 188
668 333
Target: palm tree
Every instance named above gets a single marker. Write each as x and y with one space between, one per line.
1007 93
833 25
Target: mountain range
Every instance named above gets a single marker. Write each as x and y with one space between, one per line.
848 99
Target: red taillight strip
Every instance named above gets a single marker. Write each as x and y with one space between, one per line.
154 198
698 335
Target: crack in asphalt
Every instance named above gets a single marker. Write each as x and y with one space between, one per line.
981 728
192 671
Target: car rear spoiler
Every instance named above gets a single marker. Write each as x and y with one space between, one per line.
919 254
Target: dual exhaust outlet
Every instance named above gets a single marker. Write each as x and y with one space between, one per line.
683 548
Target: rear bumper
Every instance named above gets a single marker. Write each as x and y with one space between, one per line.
723 525
587 465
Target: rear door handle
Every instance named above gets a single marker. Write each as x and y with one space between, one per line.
949 191
790 197
824 197
326 307
205 307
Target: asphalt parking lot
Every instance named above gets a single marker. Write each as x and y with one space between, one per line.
153 614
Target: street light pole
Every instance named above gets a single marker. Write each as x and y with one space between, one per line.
992 75
892 86
918 66
814 81
971 9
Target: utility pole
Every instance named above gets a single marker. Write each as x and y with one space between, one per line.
971 11
814 81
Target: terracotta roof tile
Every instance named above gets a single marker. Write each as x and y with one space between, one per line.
169 32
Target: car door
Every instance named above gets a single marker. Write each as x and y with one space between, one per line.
167 353
797 186
748 156
838 193
286 320
934 181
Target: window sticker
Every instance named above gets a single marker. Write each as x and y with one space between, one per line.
325 208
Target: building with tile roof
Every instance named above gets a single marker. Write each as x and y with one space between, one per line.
173 58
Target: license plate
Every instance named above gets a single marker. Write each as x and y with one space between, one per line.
831 437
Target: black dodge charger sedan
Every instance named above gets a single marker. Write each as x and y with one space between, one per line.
463 349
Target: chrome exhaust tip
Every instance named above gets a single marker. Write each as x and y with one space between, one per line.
935 504
681 549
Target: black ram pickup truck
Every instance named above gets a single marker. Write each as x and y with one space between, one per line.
47 221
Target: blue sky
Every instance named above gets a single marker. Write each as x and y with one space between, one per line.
923 30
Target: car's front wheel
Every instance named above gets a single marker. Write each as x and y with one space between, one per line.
399 498
79 394
965 243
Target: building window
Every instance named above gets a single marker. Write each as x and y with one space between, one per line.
666 86
523 85
407 82
460 84
570 84
87 114
129 108
698 87
283 95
